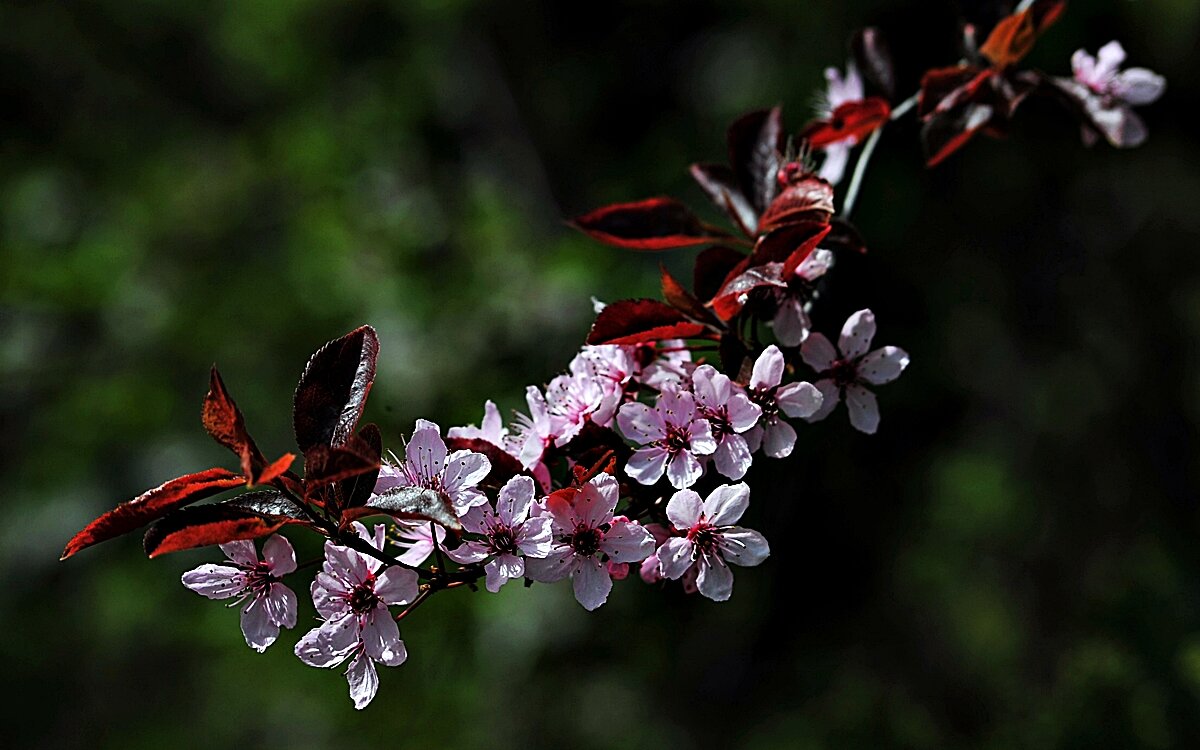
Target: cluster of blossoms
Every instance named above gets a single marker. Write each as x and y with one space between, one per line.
635 455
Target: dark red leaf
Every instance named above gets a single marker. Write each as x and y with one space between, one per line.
204 525
275 470
806 198
756 145
638 321
412 503
850 120
333 389
733 296
504 466
874 60
153 504
780 244
323 465
721 186
713 266
943 88
652 224
944 134
225 423
682 300
1013 37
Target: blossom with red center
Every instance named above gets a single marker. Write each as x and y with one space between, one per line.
269 604
416 538
574 400
352 596
586 538
846 371
729 413
507 535
1106 94
426 464
672 435
708 541
791 323
798 400
490 429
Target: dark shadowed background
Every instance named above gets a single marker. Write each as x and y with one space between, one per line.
1011 562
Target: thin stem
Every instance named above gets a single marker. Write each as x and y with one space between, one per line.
421 598
1023 6
860 169
437 551
903 107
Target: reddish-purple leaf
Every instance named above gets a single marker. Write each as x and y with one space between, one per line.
852 120
713 266
205 525
651 224
1013 37
153 504
778 245
733 296
756 154
874 60
275 470
504 466
806 198
333 389
225 423
324 465
411 503
682 300
357 489
639 321
721 186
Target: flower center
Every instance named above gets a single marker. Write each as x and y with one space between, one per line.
844 372
704 536
718 421
678 439
765 398
363 599
504 541
585 541
789 173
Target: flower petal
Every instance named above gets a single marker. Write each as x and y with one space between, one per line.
425 455
882 365
557 565
799 400
683 470
778 439
215 581
534 537
768 369
464 470
857 334
715 580
830 395
818 353
279 555
363 680
627 542
675 557
791 323
733 458
726 504
280 603
1138 86
742 412
684 509
596 500
591 583
397 586
241 552
512 505
313 649
469 552
864 410
744 547
647 465
257 627
381 637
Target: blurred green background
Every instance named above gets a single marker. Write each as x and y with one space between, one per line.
1011 562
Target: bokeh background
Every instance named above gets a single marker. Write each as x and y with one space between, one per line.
1011 562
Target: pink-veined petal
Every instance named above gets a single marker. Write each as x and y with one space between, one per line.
744 547
257 627
534 537
715 580
818 353
503 569
280 602
464 469
768 369
425 455
726 504
791 323
330 604
647 465
512 505
882 365
712 388
733 458
627 542
1139 86
381 637
684 509
591 583
742 412
778 439
469 552
596 501
215 581
864 410
314 650
830 394
363 680
753 438
701 442
397 586
342 634
279 555
798 400
640 423
683 470
241 552
675 557
557 565
676 407
857 334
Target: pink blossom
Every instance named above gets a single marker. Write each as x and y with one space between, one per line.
608 362
416 539
1108 94
650 570
491 428
672 435
791 323
847 374
508 534
352 597
800 399
729 413
531 435
839 90
671 367
574 400
586 537
710 542
427 465
269 604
